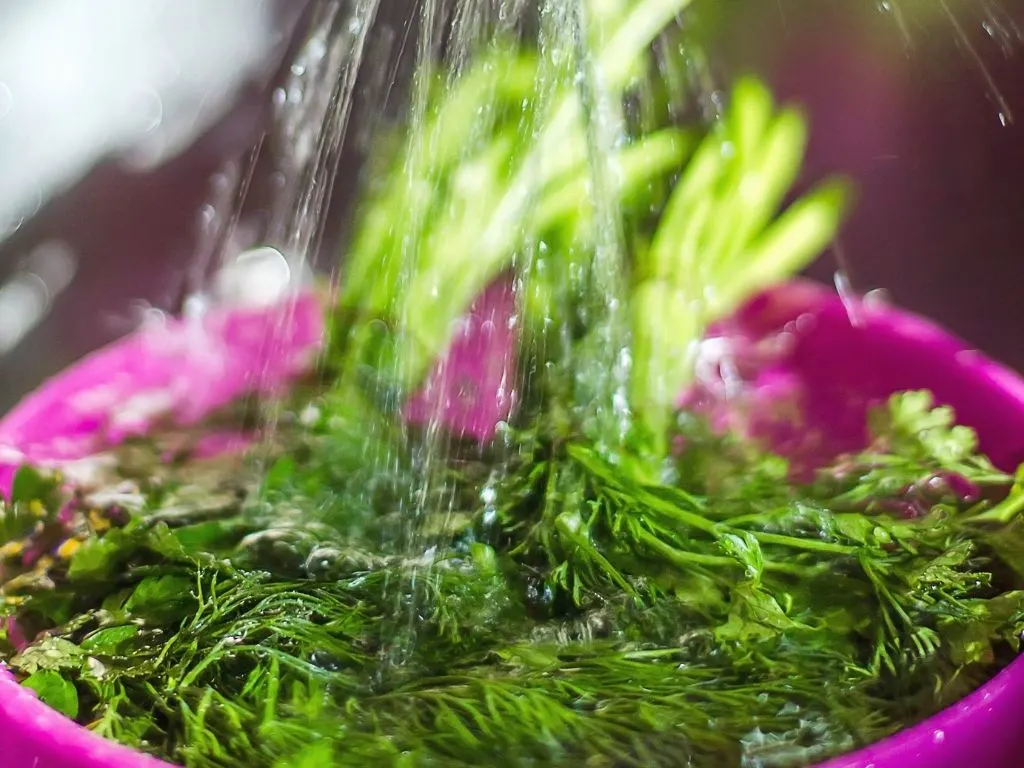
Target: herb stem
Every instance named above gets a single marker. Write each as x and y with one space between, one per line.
811 545
1003 512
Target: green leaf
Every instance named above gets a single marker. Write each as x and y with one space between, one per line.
107 641
971 637
100 558
162 599
97 558
35 498
208 536
745 548
280 473
1008 544
51 653
755 616
32 485
54 691
917 427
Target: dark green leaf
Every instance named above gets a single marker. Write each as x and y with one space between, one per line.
162 599
108 641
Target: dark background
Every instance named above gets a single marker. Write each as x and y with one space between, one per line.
911 111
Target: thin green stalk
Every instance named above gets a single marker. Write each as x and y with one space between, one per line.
716 245
465 271
809 545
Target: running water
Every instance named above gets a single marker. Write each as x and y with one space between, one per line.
477 190
574 102
299 153
961 18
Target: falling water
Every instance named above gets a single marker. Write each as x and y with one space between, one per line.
1005 114
244 259
454 34
572 91
313 112
310 116
961 18
574 126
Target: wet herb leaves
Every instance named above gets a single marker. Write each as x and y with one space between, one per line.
582 614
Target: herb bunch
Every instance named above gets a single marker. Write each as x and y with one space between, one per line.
575 614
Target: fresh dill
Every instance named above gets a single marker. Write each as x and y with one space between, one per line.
573 613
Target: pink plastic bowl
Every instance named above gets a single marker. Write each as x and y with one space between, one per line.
834 365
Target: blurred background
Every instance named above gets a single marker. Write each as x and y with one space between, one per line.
127 127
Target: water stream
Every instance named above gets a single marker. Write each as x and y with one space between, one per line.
574 92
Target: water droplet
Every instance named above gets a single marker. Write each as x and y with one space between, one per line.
805 323
257 278
323 561
23 302
220 182
96 668
326 661
309 415
24 209
938 736
195 305
467 392
849 298
10 223
876 299
207 216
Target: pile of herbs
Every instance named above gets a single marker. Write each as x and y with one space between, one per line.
603 581
568 612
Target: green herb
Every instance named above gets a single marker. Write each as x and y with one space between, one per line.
580 614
